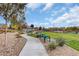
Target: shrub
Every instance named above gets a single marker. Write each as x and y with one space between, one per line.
1 31
52 46
10 31
18 36
38 36
60 42
33 35
20 32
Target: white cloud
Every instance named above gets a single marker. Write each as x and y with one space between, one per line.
45 24
48 6
61 19
33 6
75 10
54 13
68 19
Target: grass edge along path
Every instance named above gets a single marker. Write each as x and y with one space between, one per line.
72 40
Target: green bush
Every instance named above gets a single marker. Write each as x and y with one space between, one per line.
18 36
52 46
60 42
20 32
10 30
33 35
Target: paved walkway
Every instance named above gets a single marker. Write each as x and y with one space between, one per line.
33 47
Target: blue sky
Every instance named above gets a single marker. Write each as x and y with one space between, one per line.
2 21
53 15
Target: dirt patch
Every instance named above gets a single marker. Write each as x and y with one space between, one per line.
12 45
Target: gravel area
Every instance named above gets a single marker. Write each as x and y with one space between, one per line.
61 51
64 51
12 45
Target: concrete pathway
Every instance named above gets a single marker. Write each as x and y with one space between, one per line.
33 47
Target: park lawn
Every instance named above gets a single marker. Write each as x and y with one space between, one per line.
72 40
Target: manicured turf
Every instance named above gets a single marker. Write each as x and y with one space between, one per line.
72 40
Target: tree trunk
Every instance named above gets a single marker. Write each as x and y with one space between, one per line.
6 35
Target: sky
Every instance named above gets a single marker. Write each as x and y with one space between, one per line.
53 14
2 21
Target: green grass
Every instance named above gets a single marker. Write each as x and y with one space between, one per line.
72 40
74 44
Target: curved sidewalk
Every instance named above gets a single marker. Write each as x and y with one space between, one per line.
33 47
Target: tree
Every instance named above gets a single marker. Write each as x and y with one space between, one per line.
75 29
43 28
8 10
32 26
40 28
